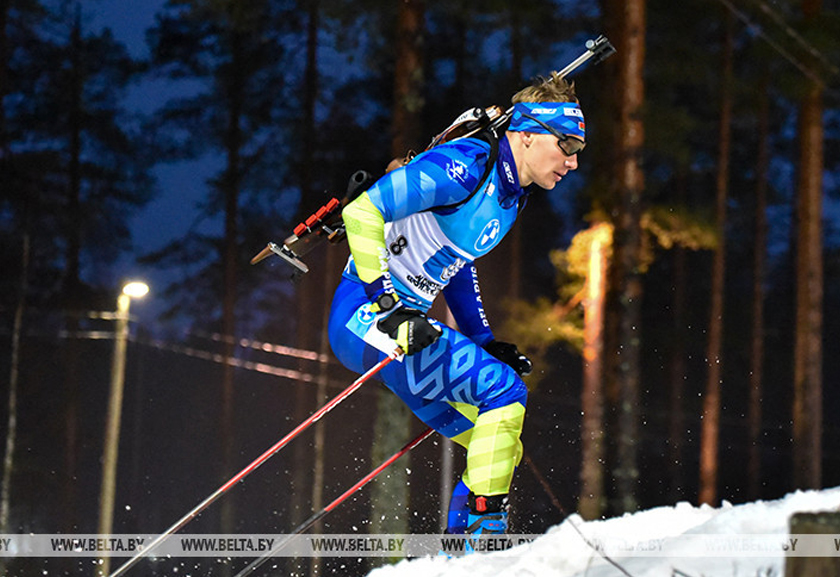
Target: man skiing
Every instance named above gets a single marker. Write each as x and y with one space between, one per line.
416 233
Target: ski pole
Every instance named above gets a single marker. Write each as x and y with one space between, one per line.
315 417
256 563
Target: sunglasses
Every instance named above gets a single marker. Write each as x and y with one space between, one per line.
568 144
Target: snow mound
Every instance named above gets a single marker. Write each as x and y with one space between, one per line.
663 541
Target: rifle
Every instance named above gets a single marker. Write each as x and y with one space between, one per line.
326 224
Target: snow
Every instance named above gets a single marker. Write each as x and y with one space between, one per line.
662 542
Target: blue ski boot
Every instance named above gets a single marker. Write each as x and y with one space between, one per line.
488 518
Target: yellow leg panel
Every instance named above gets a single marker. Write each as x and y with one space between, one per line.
494 450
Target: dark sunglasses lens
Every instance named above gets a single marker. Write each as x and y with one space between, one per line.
570 146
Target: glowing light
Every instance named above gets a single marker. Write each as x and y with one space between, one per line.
135 289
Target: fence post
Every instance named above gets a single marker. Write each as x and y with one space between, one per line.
820 523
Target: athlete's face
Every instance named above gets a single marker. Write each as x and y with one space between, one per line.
545 162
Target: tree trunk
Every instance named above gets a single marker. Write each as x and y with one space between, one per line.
629 182
5 5
72 283
613 18
591 501
231 183
310 97
5 176
759 258
307 295
393 422
408 78
807 411
710 434
677 372
14 363
331 279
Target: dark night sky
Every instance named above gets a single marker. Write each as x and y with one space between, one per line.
179 185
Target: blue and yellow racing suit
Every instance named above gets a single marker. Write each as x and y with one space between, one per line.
422 227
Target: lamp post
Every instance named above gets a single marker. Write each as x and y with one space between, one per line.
130 290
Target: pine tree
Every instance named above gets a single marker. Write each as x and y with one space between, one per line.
712 395
393 418
629 184
808 362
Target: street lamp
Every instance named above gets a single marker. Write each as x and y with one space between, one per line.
134 289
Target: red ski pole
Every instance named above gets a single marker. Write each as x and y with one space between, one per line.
315 417
255 564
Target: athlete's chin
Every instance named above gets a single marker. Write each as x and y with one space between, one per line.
547 183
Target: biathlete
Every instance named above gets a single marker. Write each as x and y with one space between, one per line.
416 233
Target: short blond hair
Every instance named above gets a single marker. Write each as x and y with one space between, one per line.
553 89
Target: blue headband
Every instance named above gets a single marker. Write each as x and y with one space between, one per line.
565 117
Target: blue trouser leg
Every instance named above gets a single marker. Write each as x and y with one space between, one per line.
459 509
438 383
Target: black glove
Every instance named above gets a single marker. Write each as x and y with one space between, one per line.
410 328
510 355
